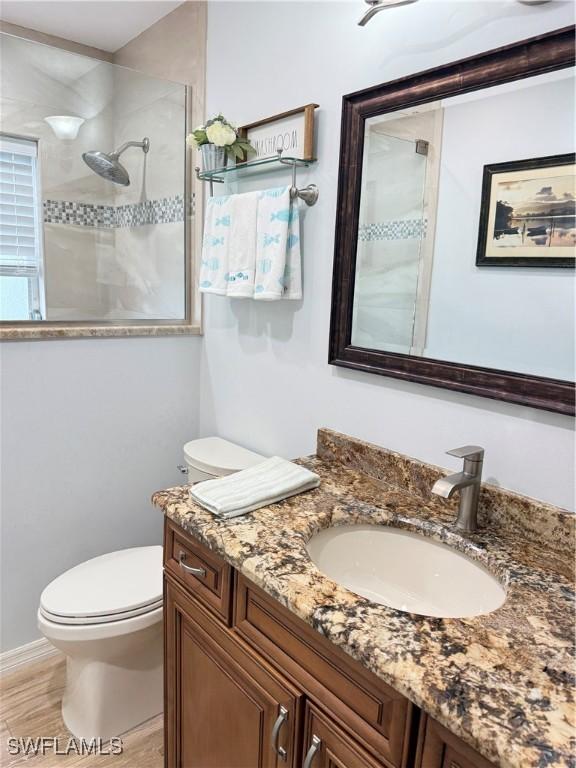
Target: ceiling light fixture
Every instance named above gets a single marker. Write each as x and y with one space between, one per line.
380 5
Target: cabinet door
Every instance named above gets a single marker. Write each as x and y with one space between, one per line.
224 708
438 748
327 746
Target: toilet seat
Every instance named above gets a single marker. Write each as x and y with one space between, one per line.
115 587
101 619
89 633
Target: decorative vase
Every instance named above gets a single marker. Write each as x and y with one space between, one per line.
213 157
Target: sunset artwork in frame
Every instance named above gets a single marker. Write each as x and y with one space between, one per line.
528 213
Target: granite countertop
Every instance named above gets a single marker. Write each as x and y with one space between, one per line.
503 682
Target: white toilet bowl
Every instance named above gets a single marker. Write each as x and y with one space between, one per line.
105 615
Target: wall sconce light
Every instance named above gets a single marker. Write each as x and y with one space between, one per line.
65 126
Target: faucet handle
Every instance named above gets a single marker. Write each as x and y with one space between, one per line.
470 452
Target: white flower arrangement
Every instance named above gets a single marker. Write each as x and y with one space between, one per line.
222 133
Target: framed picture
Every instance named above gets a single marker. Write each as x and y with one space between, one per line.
528 213
292 132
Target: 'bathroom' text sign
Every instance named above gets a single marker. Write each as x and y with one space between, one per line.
290 132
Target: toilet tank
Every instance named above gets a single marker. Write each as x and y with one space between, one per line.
211 457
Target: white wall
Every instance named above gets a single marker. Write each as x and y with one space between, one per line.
265 379
90 429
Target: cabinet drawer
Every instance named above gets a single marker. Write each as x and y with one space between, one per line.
327 746
212 585
374 711
438 748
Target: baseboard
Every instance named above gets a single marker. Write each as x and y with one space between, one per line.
26 654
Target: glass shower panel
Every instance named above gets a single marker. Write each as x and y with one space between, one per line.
390 234
111 252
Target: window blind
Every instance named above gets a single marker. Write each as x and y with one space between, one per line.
20 253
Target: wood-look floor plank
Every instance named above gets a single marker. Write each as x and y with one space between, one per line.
7 760
30 701
142 748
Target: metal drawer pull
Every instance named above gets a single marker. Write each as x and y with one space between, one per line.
314 747
182 468
280 720
188 568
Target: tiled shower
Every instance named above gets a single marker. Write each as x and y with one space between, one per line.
107 252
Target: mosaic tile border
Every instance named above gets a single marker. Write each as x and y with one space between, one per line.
166 210
400 229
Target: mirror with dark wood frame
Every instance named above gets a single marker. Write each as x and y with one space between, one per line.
456 226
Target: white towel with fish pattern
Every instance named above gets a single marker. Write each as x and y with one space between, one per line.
251 246
242 245
214 263
278 258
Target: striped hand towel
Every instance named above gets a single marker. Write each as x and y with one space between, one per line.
266 483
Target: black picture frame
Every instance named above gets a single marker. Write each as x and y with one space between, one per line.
490 172
545 53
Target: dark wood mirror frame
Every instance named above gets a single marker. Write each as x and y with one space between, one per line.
534 56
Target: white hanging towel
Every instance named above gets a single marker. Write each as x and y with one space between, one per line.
278 259
242 245
251 246
214 263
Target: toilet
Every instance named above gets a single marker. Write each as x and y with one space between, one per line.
105 615
211 457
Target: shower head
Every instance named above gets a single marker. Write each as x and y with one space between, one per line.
108 166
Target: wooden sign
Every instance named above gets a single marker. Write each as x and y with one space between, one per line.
292 132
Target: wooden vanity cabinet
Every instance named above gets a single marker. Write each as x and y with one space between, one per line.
250 685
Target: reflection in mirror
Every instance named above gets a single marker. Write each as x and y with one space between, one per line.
424 285
87 235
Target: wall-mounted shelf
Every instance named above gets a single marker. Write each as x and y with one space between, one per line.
309 194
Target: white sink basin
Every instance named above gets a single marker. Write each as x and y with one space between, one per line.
405 571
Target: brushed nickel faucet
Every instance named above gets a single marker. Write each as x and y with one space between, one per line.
467 482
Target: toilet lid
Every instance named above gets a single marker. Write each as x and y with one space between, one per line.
216 456
128 582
